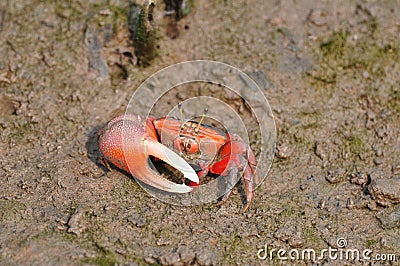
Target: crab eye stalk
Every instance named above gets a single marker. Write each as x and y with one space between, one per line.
181 113
196 130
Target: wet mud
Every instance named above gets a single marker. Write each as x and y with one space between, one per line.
330 71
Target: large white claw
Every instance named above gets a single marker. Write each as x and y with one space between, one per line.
160 151
147 175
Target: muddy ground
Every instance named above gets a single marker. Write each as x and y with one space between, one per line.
330 71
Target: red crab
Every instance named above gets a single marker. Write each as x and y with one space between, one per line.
204 147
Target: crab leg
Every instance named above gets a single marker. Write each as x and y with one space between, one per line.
235 154
127 142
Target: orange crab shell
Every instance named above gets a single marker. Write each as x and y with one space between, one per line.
189 137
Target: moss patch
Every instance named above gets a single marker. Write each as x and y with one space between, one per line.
355 145
140 22
107 259
338 56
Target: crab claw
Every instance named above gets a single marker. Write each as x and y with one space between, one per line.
149 176
127 143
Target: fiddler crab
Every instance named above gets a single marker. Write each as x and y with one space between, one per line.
127 141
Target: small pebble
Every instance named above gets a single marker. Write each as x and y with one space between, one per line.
350 204
150 260
322 204
295 243
372 206
378 161
8 106
378 150
382 132
318 17
163 241
206 257
359 178
186 255
137 220
389 218
320 151
385 191
370 120
76 223
396 169
335 176
169 259
283 151
383 242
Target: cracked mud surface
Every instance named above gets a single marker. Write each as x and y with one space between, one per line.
330 72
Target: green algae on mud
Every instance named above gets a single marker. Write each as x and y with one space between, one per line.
144 33
338 56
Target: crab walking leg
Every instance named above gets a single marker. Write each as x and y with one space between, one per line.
252 163
125 143
248 178
238 155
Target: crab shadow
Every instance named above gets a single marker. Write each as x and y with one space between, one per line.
238 187
92 148
241 191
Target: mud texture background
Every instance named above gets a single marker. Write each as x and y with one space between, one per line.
330 71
